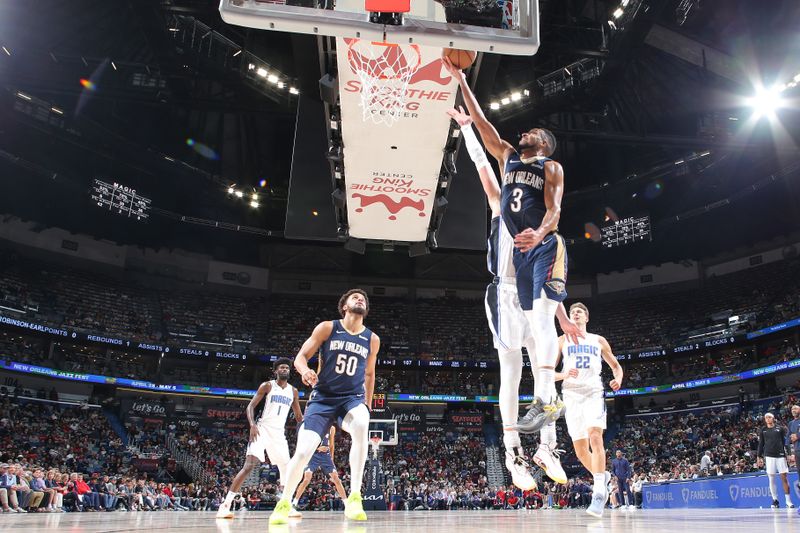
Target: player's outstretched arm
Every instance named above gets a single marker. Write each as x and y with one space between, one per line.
488 180
309 348
298 414
262 391
530 238
616 368
369 375
491 139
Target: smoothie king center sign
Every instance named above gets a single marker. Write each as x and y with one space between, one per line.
392 172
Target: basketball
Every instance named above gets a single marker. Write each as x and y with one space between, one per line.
460 59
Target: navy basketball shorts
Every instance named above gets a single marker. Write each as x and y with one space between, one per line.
324 411
543 268
321 460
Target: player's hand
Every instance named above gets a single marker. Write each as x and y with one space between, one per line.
528 240
448 65
310 377
253 433
615 385
571 330
573 373
460 116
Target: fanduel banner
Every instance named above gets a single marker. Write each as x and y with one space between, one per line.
745 491
392 172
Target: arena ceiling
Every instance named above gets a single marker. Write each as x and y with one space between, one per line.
654 131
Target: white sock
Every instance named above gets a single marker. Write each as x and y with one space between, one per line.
356 422
599 483
788 499
229 498
547 436
545 380
510 376
773 488
307 443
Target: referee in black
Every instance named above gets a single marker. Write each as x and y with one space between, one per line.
772 447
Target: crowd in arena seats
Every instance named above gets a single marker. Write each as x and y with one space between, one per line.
442 328
673 447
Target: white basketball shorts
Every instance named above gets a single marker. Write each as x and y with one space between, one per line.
583 412
506 320
777 465
273 442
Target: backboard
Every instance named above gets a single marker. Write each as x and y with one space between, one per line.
497 26
386 430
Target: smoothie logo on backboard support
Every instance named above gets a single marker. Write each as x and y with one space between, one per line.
393 206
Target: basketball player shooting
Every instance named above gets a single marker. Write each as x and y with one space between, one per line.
507 322
530 206
583 398
342 392
268 433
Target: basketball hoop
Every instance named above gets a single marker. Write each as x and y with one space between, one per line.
384 69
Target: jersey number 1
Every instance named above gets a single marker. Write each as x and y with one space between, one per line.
346 365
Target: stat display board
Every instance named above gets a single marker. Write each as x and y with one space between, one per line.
120 199
626 231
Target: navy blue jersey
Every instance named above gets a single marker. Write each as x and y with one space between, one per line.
522 196
343 362
325 440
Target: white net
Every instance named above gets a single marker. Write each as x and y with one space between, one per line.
384 69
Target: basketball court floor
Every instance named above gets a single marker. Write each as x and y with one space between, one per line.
546 521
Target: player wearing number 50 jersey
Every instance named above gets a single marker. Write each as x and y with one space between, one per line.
342 393
583 397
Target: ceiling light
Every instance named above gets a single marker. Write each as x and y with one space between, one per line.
239 194
526 92
254 197
261 72
56 110
293 90
272 78
494 105
281 85
505 101
618 13
254 204
237 52
8 53
765 102
251 66
515 97
23 96
231 190
624 3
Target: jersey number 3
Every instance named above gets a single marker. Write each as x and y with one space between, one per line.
346 365
516 200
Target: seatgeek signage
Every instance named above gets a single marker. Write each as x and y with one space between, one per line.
745 491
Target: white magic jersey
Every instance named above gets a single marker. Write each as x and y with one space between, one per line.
277 405
501 250
587 358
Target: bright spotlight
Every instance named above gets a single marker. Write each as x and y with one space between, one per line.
239 194
254 204
766 102
231 190
515 97
618 13
494 105
262 72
